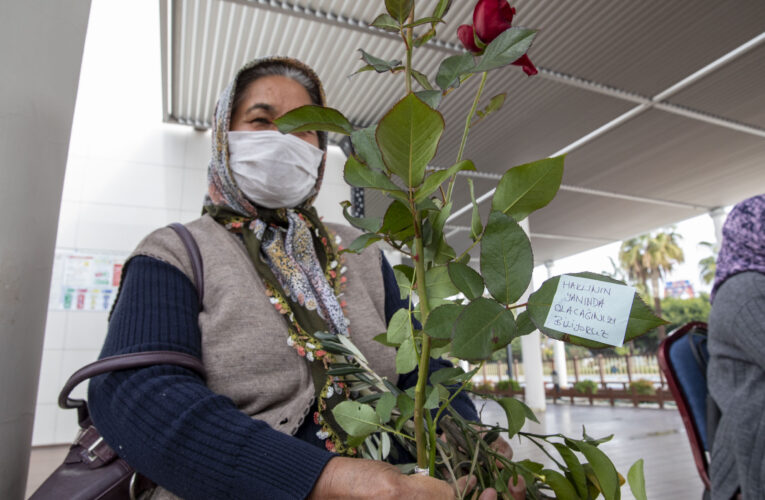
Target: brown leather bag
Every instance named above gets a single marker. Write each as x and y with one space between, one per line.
91 469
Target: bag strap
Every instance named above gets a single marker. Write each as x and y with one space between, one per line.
141 359
194 255
126 362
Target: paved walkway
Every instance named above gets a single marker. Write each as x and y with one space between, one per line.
657 436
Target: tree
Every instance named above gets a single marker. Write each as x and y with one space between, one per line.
651 257
708 265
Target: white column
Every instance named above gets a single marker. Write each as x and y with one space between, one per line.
41 46
718 219
532 358
559 348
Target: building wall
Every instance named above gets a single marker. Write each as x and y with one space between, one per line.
127 174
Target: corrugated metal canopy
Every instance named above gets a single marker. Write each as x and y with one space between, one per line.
659 105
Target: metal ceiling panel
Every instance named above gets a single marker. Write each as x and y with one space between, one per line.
547 117
660 155
736 91
702 143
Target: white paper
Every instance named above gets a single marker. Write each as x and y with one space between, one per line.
591 309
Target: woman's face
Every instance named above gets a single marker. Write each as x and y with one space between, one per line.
268 98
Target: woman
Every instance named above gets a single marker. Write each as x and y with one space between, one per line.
736 373
273 276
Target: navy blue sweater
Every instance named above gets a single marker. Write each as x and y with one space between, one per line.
169 426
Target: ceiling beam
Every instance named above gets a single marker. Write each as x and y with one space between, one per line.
645 104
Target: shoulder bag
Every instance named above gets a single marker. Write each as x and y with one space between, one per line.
92 470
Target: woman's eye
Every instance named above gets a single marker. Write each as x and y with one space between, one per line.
261 121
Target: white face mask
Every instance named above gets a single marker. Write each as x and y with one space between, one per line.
272 169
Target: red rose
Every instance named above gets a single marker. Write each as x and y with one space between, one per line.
490 19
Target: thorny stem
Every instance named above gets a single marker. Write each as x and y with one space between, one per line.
465 132
424 362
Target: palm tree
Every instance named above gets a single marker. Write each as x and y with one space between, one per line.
708 265
651 257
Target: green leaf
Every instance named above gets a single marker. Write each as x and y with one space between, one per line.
370 224
422 79
384 446
385 406
636 480
423 39
466 280
575 468
495 104
528 187
437 178
362 242
524 323
408 136
312 117
594 441
399 327
365 147
386 22
476 228
420 22
399 9
405 404
560 485
506 48
431 398
359 175
446 376
398 221
406 357
506 258
379 65
452 68
642 318
439 286
516 415
430 97
441 321
404 277
529 413
382 339
355 418
604 470
483 327
442 8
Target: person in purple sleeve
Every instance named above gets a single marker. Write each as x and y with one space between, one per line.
736 371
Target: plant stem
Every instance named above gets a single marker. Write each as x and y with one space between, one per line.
465 132
424 362
409 47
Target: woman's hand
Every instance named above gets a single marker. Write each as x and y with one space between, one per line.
358 479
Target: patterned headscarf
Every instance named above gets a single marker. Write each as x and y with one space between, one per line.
292 251
743 246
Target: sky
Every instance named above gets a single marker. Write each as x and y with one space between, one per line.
693 231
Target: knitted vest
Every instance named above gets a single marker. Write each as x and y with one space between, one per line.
244 338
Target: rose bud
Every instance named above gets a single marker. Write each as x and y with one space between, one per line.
491 18
466 35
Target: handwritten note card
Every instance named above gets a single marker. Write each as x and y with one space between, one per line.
591 309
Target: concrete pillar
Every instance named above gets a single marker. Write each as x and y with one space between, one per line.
532 358
718 219
41 46
559 348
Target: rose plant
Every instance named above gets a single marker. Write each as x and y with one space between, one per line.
454 309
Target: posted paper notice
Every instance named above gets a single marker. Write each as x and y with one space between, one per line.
591 309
